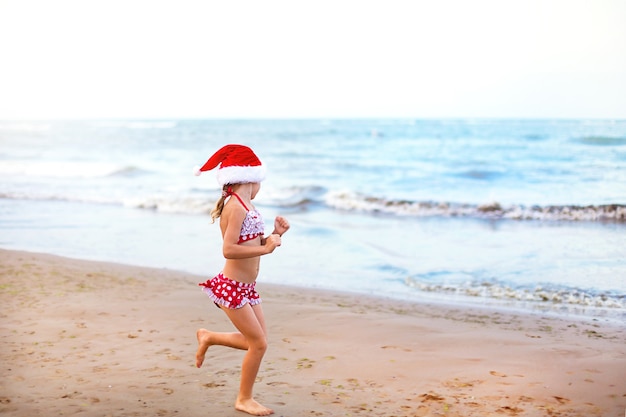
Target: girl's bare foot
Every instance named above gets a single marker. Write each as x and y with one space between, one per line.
250 406
204 341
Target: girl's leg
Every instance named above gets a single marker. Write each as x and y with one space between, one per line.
250 321
252 336
207 339
260 316
235 340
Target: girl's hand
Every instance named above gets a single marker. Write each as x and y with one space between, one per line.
281 225
272 242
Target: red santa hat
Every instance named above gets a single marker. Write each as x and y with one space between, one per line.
238 165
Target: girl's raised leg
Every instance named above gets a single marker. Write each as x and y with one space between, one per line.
206 339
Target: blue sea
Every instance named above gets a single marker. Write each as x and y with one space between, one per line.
518 214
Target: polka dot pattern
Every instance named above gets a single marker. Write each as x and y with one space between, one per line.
230 293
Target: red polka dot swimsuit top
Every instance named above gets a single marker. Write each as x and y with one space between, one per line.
252 226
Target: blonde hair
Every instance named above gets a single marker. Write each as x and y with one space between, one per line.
219 204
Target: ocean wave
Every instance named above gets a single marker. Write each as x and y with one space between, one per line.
163 204
602 140
55 195
293 197
561 296
126 171
364 203
181 205
191 201
65 169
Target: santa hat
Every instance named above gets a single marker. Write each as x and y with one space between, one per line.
238 165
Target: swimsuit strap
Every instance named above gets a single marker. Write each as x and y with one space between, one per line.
241 201
230 192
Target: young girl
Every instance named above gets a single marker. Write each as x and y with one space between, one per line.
232 290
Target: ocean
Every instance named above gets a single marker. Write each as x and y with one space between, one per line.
518 214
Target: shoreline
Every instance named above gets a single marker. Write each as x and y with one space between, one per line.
457 260
86 338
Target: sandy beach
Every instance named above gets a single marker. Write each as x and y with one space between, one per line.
83 338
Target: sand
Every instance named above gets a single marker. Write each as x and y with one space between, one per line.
81 338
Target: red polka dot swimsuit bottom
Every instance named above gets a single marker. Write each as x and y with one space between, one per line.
230 293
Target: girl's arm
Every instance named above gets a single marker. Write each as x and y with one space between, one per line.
231 221
281 225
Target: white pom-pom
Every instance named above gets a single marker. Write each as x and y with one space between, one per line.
196 171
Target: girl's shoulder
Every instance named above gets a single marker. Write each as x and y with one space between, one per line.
233 209
232 216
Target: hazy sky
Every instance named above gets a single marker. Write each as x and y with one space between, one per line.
319 59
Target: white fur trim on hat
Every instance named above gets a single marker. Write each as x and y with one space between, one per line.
240 175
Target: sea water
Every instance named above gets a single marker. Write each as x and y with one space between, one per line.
525 214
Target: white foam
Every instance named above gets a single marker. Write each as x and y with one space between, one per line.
499 291
357 202
170 204
59 169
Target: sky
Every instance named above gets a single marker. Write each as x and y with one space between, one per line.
155 59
